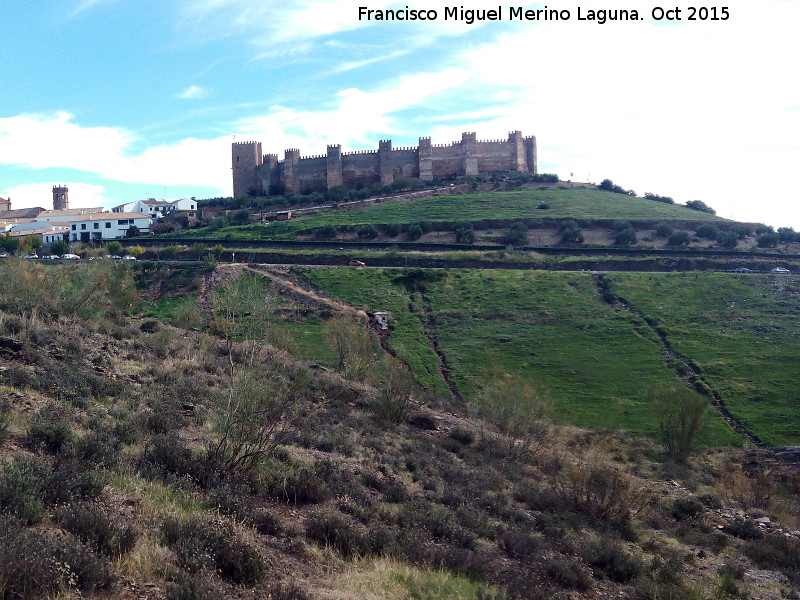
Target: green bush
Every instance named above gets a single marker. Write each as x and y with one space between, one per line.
707 231
517 235
728 239
189 586
49 430
767 240
679 238
465 233
687 508
334 530
22 488
5 418
570 232
657 198
462 435
326 231
200 544
613 561
367 231
625 237
90 524
663 230
700 206
414 232
393 229
742 230
295 485
36 564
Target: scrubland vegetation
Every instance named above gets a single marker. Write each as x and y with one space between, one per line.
162 437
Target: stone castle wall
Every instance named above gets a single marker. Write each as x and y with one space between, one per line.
5 204
255 173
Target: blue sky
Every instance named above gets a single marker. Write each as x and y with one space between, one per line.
124 100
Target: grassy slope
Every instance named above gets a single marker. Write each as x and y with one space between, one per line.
742 331
373 290
596 363
575 203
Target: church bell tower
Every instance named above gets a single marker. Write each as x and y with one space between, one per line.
60 197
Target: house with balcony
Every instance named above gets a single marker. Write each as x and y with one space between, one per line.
97 227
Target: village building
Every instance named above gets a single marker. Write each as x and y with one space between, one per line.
157 208
106 226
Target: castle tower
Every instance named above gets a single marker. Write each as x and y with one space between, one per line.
246 158
469 147
385 159
530 154
291 160
517 151
60 197
334 164
425 157
5 204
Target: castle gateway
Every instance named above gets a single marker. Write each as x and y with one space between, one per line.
255 173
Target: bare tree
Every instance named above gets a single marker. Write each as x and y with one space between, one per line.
680 414
520 414
262 399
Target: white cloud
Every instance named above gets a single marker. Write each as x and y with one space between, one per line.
277 27
353 118
193 92
108 152
85 5
81 195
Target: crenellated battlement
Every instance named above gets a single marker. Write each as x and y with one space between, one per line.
257 173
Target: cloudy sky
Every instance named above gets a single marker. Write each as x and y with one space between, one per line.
124 100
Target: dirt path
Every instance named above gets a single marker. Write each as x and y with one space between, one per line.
302 295
428 319
221 275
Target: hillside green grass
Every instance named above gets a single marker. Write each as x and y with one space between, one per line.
373 290
741 330
595 362
574 203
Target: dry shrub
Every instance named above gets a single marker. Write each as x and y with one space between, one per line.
353 345
746 491
392 402
90 524
519 413
37 564
599 490
201 543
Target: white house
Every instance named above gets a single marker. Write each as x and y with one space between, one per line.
106 226
49 234
67 214
156 208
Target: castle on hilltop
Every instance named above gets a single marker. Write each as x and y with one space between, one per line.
255 173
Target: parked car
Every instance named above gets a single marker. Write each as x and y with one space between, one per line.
32 256
3 255
117 257
741 270
780 270
51 257
357 263
70 257
127 257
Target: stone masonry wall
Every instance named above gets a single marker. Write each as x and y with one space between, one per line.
257 173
